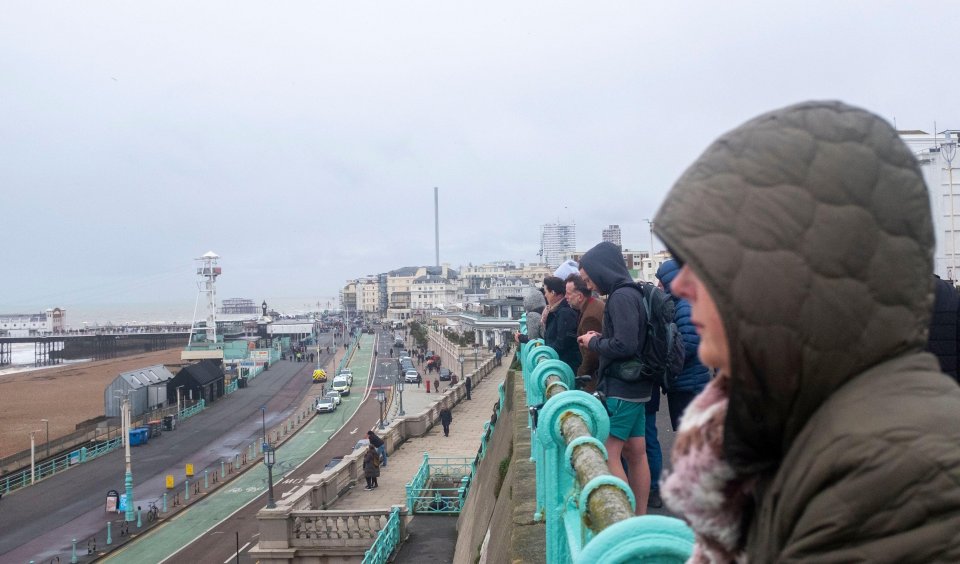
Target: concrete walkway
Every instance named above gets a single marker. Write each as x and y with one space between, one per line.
464 440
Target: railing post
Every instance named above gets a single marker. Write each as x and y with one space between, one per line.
206 480
109 533
164 502
73 553
559 482
186 489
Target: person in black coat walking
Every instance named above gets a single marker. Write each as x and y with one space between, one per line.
445 419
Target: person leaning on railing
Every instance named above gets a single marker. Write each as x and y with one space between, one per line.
828 435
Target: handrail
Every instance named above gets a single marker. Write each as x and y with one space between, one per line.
589 513
387 540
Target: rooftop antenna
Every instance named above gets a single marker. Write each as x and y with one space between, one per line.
207 271
436 222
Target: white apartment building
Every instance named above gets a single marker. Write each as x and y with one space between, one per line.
29 324
938 157
433 292
508 287
556 241
368 295
612 235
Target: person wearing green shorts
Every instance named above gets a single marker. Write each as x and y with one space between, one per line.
627 419
624 321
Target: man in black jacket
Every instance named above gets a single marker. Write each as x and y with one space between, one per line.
560 331
624 320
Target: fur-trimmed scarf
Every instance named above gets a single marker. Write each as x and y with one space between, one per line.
702 486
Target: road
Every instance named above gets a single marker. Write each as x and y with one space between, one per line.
38 522
213 530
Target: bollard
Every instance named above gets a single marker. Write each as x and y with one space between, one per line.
222 475
139 522
206 483
83 454
236 462
164 502
109 535
73 556
186 490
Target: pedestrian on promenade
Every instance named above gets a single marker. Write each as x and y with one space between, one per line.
827 435
436 385
469 385
620 347
445 419
381 446
590 318
371 467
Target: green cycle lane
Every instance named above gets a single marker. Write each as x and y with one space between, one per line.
190 524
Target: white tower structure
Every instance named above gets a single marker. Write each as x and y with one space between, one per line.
208 271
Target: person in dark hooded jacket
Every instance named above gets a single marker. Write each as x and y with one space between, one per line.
604 271
827 434
687 385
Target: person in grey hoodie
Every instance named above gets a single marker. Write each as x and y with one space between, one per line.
624 319
533 303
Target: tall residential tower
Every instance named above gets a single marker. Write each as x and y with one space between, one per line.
556 241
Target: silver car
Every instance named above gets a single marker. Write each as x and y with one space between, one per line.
326 405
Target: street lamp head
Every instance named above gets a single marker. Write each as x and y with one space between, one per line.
461 359
381 397
400 386
269 455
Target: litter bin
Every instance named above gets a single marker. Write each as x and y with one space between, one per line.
139 436
241 382
156 428
169 422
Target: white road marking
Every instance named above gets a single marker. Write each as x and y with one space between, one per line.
234 556
354 432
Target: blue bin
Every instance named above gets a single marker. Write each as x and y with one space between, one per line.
139 436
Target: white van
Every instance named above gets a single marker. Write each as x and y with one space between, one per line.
342 385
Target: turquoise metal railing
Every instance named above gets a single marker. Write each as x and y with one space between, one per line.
192 410
50 467
230 388
589 513
387 540
440 485
488 428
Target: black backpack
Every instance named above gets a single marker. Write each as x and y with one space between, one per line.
662 357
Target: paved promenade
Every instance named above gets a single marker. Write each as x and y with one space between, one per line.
464 440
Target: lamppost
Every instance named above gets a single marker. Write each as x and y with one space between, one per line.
269 457
461 359
128 476
949 150
47 423
178 400
263 421
33 458
400 391
382 398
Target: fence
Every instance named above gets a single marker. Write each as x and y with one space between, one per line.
387 540
588 512
440 485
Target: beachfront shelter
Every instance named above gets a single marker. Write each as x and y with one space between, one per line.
202 379
146 387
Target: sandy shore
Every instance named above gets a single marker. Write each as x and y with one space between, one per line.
65 395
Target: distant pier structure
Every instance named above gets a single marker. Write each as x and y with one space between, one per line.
104 344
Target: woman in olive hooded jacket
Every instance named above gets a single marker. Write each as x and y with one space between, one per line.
828 436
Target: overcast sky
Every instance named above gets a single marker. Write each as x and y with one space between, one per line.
301 141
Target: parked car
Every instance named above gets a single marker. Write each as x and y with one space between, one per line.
348 374
411 376
332 464
326 405
445 374
342 385
335 396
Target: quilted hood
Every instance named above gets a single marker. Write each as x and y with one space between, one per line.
811 228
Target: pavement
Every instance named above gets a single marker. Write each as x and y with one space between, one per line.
432 537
